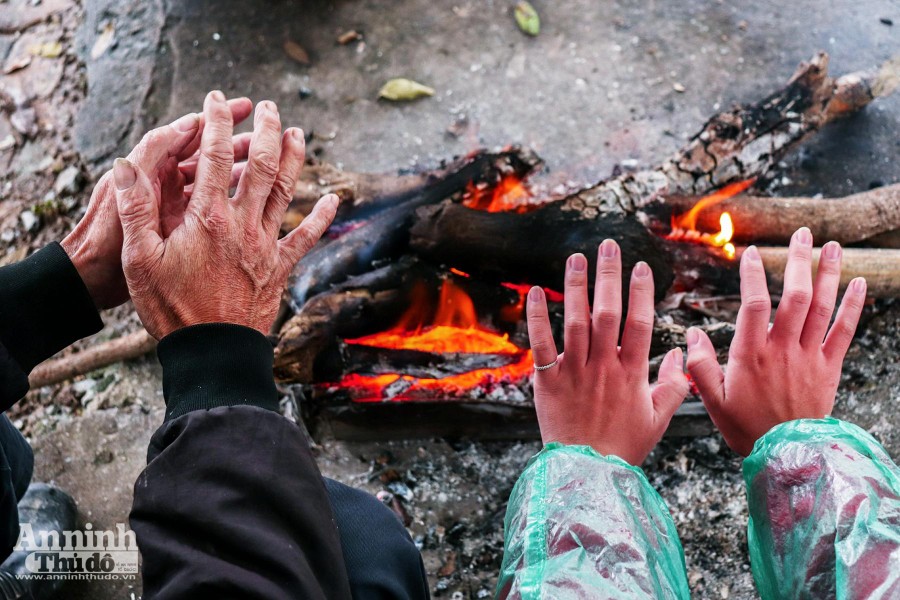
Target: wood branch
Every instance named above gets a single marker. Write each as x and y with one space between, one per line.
744 142
385 236
531 247
760 220
881 268
96 357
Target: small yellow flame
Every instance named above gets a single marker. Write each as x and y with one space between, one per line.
726 232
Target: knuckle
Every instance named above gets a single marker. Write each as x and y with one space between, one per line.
608 270
264 163
218 152
577 325
282 189
542 347
641 322
797 297
607 316
757 303
822 309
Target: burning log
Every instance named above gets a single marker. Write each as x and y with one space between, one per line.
533 246
744 142
385 236
849 220
369 360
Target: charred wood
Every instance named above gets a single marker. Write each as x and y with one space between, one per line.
531 247
385 236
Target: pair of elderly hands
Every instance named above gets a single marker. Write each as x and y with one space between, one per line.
162 229
597 392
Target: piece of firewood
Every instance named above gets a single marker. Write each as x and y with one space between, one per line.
532 247
744 142
762 220
96 357
881 268
385 235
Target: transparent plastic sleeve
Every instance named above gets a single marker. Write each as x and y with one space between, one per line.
824 501
583 525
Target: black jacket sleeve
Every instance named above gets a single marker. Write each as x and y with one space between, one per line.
231 504
44 307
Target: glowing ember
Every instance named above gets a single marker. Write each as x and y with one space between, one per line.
510 195
453 328
684 227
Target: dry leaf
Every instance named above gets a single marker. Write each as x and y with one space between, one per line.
349 36
296 52
46 50
527 18
104 40
17 64
404 89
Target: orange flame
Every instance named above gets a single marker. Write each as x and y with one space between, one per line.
509 195
454 328
684 226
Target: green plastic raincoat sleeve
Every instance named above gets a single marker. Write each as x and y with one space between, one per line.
583 525
824 502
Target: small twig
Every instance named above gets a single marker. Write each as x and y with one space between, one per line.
128 347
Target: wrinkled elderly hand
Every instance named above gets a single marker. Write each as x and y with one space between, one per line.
220 261
95 245
597 393
787 372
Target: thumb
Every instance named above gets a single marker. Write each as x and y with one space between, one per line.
704 368
138 211
672 386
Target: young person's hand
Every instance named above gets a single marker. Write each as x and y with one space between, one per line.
597 393
791 370
95 245
222 262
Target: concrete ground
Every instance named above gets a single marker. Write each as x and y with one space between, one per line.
597 87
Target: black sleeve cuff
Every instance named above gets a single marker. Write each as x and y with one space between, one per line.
216 364
44 307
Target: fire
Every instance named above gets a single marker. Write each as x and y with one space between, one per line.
453 328
509 195
684 227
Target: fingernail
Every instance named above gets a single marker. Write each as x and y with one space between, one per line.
804 236
692 337
752 253
217 96
535 294
332 200
578 263
297 134
858 285
609 249
123 173
642 270
187 123
679 359
831 251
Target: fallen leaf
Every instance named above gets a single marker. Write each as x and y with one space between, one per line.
349 36
104 40
404 89
46 50
17 64
527 18
296 52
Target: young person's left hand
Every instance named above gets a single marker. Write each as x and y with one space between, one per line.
597 393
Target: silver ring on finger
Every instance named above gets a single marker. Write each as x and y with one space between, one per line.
548 366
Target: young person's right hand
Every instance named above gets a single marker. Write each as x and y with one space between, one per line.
790 370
